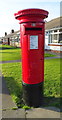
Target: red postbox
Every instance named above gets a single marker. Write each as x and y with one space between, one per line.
32 43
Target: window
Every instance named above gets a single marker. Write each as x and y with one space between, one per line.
50 38
55 30
60 30
60 38
55 36
46 33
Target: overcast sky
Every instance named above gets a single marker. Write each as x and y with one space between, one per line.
9 7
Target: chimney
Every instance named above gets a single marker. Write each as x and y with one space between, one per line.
12 31
5 33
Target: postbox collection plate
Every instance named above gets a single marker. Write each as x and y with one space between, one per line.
33 41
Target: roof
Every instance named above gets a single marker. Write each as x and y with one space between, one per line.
54 23
12 34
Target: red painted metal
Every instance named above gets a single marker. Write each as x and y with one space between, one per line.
31 15
32 26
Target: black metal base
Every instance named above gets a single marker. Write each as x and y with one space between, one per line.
33 94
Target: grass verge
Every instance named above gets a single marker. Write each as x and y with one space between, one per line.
8 53
49 55
13 75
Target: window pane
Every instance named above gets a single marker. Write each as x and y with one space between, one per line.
60 37
55 37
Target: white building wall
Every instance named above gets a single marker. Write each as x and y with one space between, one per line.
57 47
46 42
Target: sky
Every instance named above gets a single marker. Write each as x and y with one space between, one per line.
9 7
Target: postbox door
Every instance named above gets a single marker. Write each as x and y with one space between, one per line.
36 58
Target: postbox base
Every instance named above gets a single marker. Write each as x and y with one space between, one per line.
33 94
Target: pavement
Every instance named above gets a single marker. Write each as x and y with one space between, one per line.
12 61
7 105
42 113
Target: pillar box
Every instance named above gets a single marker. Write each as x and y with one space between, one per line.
32 27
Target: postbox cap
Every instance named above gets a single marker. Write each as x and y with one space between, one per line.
31 14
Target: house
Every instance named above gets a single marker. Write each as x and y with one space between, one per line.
12 39
53 35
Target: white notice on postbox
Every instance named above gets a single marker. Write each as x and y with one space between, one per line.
34 42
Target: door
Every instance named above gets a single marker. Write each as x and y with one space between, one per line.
36 58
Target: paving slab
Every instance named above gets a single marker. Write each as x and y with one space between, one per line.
7 102
61 116
20 113
42 113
